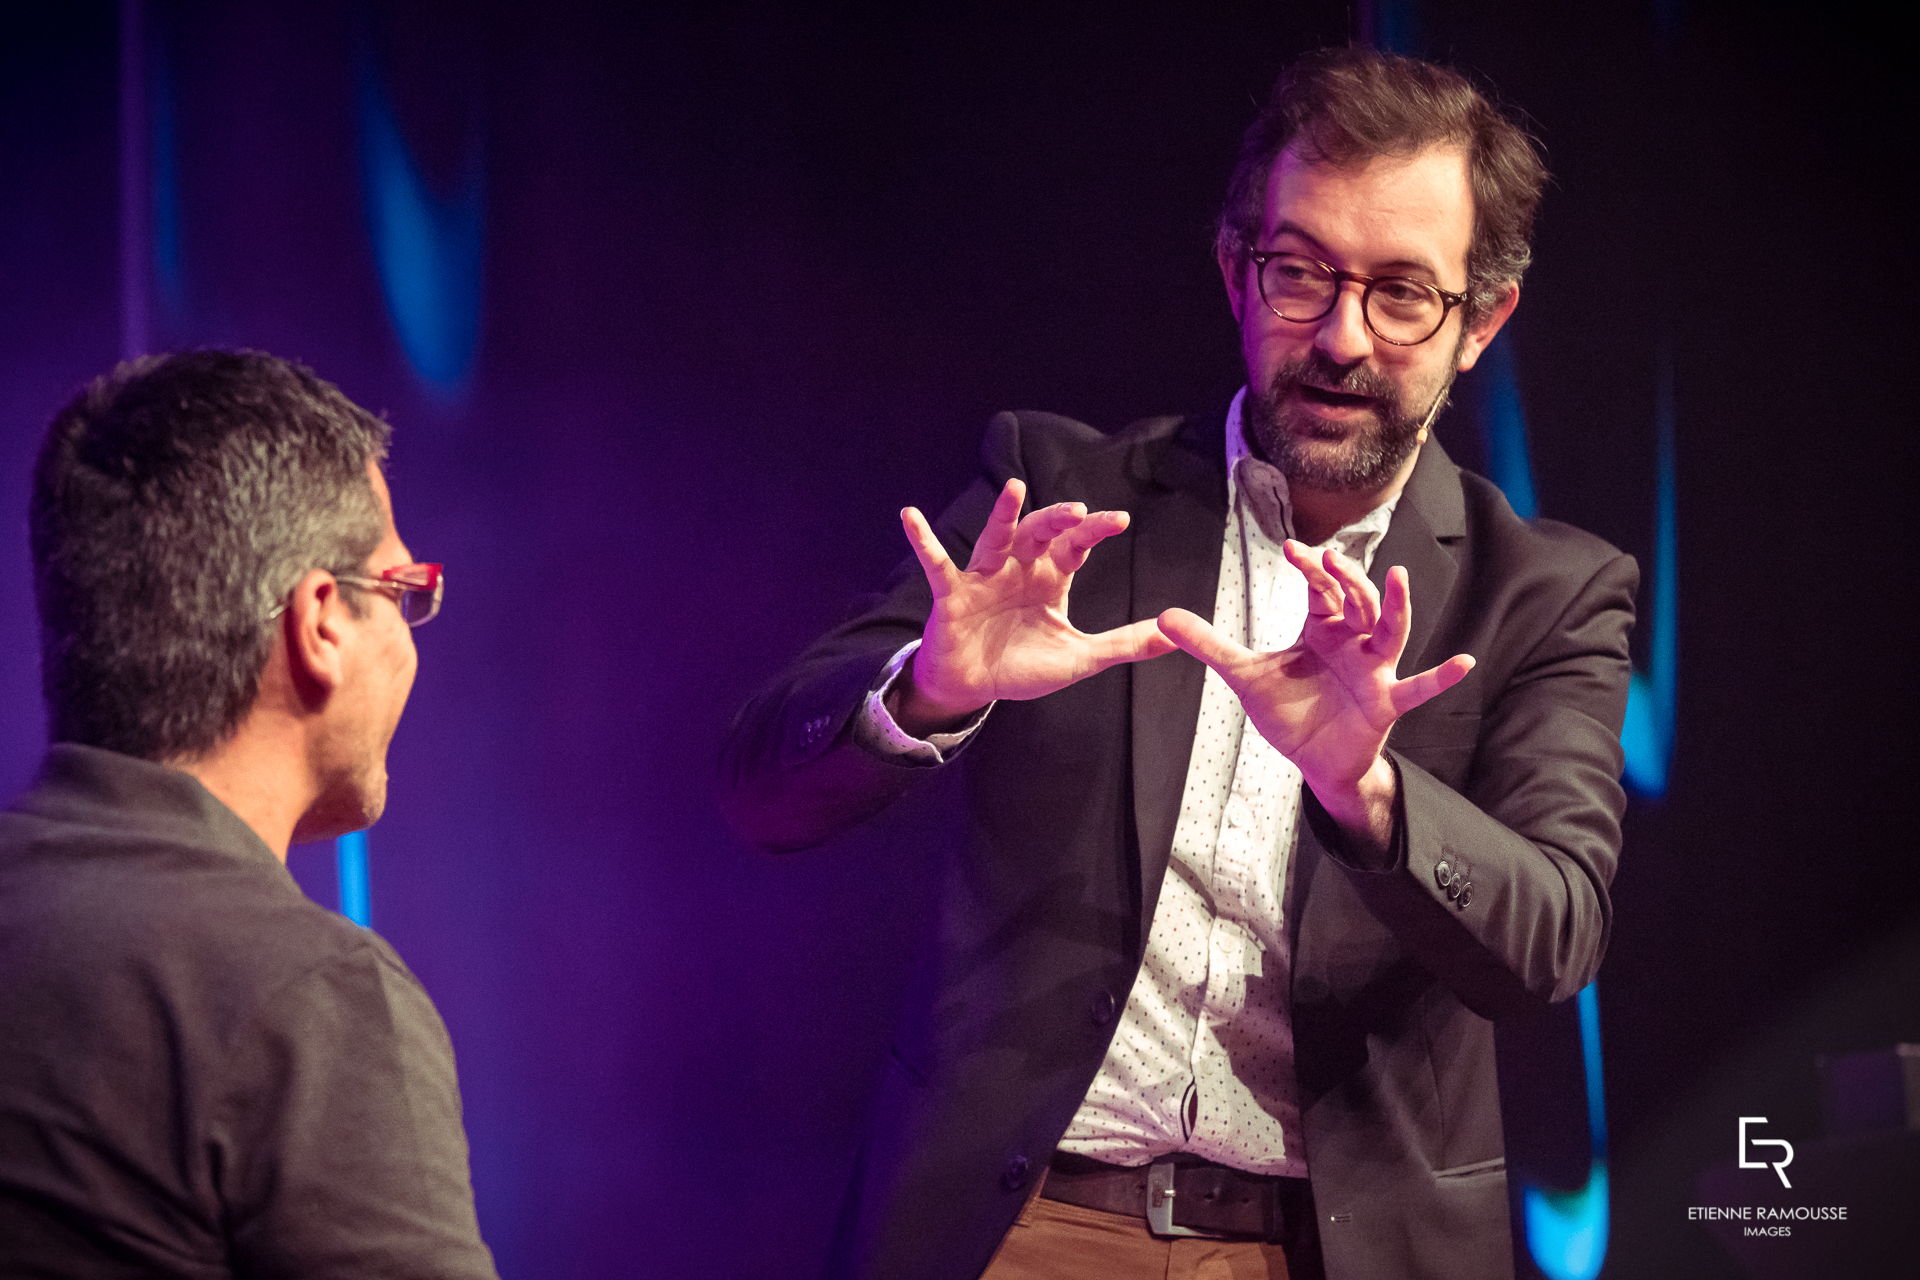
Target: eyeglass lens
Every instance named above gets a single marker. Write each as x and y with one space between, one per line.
418 606
1398 309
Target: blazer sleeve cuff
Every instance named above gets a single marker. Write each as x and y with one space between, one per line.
1355 855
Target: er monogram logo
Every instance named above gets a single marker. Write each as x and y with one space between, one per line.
1779 1166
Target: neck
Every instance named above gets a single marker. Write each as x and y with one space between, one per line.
1318 514
252 780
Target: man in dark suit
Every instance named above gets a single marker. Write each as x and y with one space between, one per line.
1214 975
202 1073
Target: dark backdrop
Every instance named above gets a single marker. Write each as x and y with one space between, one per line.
673 307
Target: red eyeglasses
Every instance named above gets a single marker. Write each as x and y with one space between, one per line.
419 588
416 588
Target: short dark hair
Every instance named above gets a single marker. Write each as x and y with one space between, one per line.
176 500
1346 106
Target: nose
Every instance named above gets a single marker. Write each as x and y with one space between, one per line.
1342 333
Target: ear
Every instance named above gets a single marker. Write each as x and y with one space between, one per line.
1233 272
1480 335
315 629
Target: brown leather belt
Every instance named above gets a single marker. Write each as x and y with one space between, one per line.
1186 1196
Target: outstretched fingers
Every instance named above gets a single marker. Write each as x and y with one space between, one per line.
1134 642
996 539
1362 601
1197 636
1431 683
1326 598
1066 532
1389 638
1070 549
1038 530
933 558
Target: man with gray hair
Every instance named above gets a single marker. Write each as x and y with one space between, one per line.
203 1073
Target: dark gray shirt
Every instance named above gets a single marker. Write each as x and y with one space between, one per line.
202 1073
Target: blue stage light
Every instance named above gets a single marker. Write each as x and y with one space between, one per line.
350 862
1652 695
428 250
1567 1230
1652 701
1505 425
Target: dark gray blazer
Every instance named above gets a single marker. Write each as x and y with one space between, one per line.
1509 782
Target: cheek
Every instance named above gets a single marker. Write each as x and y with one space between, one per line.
402 660
1412 367
1267 344
412 665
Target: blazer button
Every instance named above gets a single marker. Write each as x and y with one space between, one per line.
1466 893
1443 873
1014 1176
1103 1008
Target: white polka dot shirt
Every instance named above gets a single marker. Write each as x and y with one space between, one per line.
1202 1060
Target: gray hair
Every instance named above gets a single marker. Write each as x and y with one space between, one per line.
176 500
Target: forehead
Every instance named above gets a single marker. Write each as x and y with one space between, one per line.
378 480
1390 211
392 550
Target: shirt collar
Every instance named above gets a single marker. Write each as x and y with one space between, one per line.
94 787
1271 505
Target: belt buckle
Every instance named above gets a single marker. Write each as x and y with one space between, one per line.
1160 1197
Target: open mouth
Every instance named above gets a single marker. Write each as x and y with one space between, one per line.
1333 399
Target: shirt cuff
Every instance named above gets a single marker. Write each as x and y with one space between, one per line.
1345 851
875 728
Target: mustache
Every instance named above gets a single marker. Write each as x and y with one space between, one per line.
1315 369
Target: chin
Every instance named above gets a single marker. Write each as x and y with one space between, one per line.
329 826
1340 467
353 807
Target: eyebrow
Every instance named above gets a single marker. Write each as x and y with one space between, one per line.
1385 268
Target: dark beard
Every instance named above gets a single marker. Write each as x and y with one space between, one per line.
1284 432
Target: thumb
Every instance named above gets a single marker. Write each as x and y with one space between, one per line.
1431 683
1196 635
1134 642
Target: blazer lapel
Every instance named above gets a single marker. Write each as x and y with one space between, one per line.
1321 919
1179 520
1178 523
1431 513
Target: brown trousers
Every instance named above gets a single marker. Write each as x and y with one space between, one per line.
1054 1241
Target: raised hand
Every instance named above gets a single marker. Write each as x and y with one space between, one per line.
999 628
1327 702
